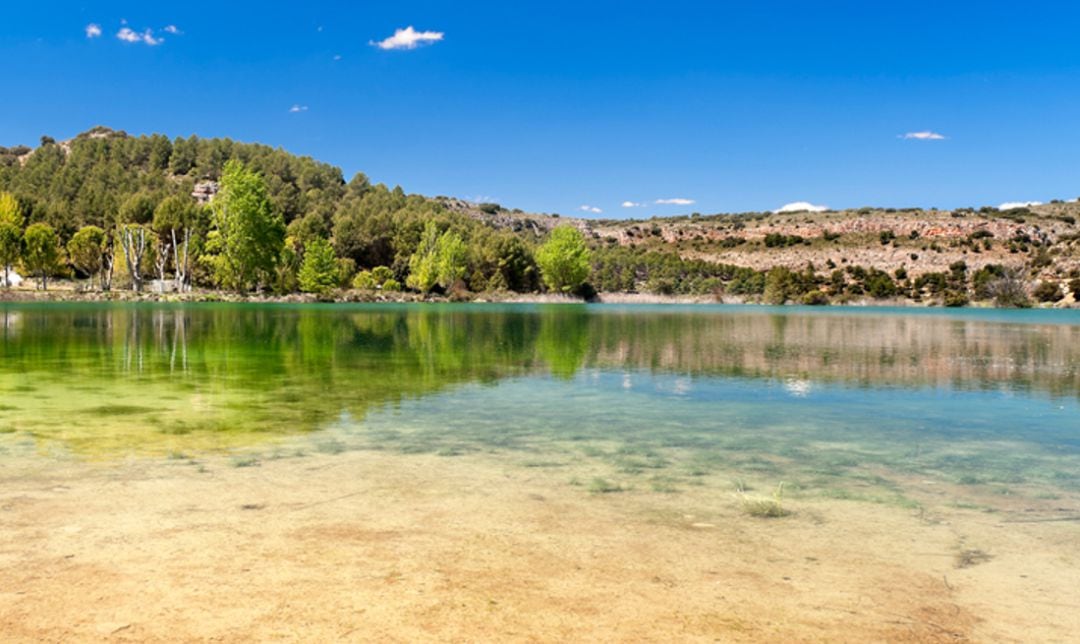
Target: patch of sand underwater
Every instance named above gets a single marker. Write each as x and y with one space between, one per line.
391 547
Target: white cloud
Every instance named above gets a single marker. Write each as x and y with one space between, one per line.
925 135
632 204
93 30
337 56
172 29
1009 205
593 209
409 38
800 206
675 201
146 37
296 109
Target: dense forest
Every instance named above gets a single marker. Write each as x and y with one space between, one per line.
112 211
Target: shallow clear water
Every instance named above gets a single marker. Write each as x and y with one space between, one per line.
834 403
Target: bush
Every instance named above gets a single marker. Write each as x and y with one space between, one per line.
1074 286
1048 292
564 259
815 298
346 268
364 281
319 272
382 274
956 299
1009 292
391 285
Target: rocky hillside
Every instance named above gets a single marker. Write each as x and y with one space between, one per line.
103 177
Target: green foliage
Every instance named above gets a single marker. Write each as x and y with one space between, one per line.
564 259
286 273
1048 292
41 251
879 284
781 285
319 271
175 213
10 210
86 249
138 209
10 247
452 257
955 298
777 240
503 260
364 281
248 233
382 274
439 260
424 263
346 269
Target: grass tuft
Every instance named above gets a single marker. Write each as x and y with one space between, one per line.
604 486
765 507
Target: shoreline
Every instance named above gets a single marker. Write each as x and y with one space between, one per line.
60 295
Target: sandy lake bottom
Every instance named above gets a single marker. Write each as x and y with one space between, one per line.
370 545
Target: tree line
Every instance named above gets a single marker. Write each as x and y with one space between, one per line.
107 204
106 207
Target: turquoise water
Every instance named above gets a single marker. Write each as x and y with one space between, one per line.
845 403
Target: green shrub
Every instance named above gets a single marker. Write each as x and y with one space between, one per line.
1048 292
319 272
956 298
364 281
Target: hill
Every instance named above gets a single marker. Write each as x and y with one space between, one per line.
107 178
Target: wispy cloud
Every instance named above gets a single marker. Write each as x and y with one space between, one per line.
632 204
409 38
593 209
146 37
93 30
173 29
1009 205
675 201
800 206
925 135
296 109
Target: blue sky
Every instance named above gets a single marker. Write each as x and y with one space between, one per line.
553 106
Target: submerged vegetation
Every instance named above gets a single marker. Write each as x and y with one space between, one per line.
771 507
109 210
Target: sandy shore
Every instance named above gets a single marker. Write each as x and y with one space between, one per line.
390 547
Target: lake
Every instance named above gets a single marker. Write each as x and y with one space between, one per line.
551 471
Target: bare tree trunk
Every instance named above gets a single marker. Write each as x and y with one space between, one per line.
105 278
133 239
180 261
161 260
